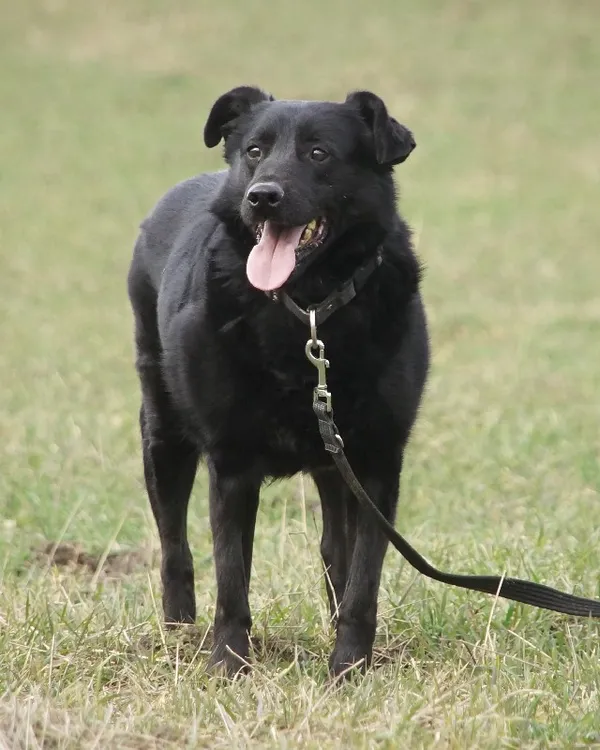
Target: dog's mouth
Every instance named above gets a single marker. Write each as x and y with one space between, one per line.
312 235
279 249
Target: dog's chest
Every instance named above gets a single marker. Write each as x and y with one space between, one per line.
268 413
289 419
288 439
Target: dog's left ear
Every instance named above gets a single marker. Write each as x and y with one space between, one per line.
392 141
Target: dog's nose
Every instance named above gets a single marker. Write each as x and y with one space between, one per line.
265 195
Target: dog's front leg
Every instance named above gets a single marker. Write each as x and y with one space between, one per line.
358 611
233 506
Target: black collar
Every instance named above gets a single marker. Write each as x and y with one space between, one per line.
337 299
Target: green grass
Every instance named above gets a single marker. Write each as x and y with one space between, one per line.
103 107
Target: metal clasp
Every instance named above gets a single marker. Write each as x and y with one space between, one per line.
312 318
320 392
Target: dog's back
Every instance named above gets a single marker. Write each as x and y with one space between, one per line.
180 212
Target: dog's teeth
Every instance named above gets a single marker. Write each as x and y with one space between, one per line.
307 233
309 230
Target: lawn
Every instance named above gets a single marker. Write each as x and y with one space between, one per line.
103 106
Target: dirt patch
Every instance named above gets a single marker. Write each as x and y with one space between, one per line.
73 557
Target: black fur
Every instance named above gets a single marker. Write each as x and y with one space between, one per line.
222 366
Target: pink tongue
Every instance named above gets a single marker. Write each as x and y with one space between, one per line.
272 260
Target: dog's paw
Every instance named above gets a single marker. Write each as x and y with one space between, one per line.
229 656
179 606
353 648
347 661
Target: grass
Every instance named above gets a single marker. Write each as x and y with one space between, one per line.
102 110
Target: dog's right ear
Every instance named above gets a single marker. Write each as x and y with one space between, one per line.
228 108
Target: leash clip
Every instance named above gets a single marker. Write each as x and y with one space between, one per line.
320 392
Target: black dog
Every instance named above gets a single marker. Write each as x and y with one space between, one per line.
308 203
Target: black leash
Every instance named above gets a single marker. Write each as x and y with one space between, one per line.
527 592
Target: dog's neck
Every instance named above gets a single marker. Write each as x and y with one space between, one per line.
337 264
329 271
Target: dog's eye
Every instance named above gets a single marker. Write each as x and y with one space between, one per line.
253 152
318 154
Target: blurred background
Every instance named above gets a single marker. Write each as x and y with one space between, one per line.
102 107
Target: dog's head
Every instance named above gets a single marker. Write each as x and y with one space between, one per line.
304 173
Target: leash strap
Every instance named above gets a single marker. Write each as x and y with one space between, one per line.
527 592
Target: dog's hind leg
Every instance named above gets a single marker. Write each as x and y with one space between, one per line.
337 540
170 462
357 620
